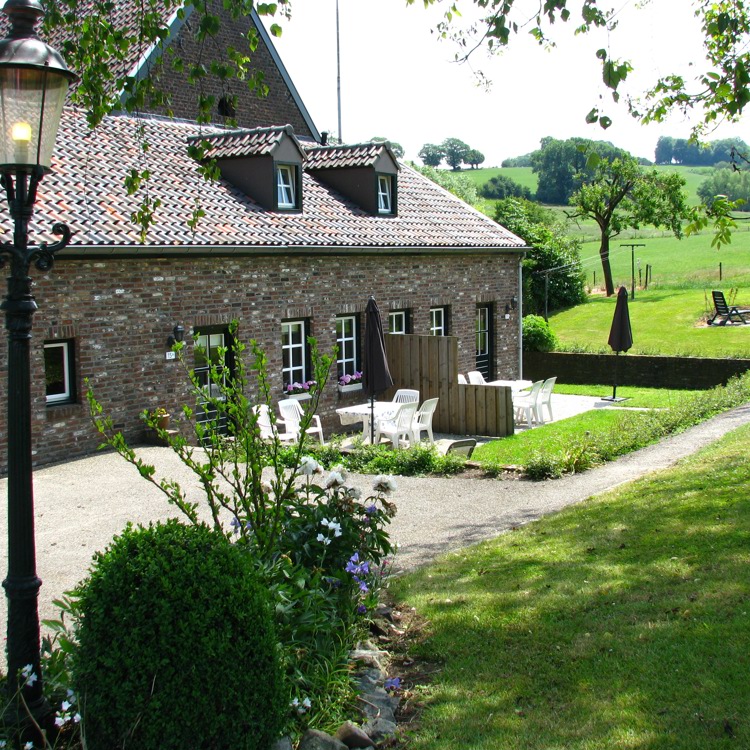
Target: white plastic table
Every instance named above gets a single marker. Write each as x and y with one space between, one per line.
514 385
361 413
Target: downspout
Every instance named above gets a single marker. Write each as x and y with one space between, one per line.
520 316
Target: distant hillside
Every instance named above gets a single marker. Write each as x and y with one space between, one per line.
693 176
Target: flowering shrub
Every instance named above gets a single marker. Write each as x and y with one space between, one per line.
320 549
351 379
291 389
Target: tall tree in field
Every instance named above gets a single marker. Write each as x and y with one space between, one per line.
474 158
620 194
455 152
431 155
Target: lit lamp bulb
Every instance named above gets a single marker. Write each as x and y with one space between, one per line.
20 134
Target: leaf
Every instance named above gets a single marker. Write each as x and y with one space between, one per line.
592 116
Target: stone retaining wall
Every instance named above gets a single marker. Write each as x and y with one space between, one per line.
632 369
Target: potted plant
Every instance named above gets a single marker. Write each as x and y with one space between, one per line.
299 391
350 382
161 415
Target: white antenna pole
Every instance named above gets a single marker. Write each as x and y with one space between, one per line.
338 70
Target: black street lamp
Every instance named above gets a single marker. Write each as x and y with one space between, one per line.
33 84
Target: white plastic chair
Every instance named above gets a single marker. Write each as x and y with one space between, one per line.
401 424
476 378
423 420
462 379
545 399
267 430
526 403
405 396
292 415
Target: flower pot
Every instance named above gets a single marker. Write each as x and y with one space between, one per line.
350 387
298 396
163 422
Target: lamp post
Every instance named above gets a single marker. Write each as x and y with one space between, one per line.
33 84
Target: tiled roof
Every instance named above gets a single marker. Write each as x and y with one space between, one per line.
359 155
238 143
86 191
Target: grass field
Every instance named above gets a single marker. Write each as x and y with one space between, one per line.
620 623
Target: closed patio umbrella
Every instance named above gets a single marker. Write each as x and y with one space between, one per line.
620 334
376 377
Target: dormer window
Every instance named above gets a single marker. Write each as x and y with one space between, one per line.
385 194
286 186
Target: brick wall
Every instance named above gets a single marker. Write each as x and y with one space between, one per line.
121 311
632 369
277 108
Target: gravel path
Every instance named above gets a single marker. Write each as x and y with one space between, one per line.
80 505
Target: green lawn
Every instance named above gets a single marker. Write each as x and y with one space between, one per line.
664 321
621 623
642 398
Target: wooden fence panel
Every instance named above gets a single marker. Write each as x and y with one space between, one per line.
430 365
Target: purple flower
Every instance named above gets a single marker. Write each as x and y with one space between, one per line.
392 683
361 609
370 509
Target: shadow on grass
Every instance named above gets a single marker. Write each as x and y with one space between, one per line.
621 623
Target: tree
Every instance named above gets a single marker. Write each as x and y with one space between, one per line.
561 166
733 184
455 152
620 195
664 151
497 188
431 155
460 185
553 250
397 148
474 158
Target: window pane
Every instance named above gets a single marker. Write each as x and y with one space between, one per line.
346 341
54 370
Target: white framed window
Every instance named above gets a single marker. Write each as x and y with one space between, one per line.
439 321
208 353
483 331
385 194
398 321
294 351
59 372
286 192
346 341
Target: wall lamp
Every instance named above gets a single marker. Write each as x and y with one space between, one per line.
177 336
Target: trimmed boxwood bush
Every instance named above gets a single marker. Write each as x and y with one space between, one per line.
176 645
537 335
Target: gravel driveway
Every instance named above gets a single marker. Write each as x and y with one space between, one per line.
80 505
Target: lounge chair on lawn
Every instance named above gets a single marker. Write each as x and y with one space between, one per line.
725 313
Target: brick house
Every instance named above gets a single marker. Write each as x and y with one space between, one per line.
289 242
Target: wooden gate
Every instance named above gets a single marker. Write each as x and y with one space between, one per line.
430 365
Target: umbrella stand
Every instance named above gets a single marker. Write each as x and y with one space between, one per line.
613 397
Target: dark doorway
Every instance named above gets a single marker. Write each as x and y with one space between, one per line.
209 343
485 361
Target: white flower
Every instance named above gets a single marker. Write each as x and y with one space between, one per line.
307 703
336 528
335 479
308 466
77 718
29 676
325 522
59 721
320 538
295 702
28 746
384 484
354 493
339 469
65 705
71 696
3 743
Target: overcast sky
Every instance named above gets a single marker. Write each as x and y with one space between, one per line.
400 82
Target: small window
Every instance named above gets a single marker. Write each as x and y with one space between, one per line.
398 321
286 193
439 321
59 369
346 341
385 194
295 367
